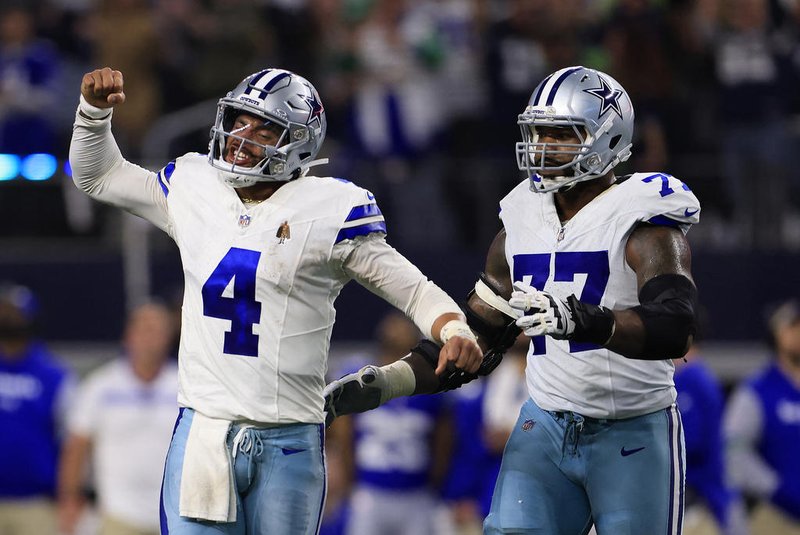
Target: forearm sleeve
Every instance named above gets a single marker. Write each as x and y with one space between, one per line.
381 269
99 169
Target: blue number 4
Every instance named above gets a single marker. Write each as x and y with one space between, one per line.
242 309
566 265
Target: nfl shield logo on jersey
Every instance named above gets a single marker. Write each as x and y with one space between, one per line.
244 220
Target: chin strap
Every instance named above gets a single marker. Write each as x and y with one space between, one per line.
313 163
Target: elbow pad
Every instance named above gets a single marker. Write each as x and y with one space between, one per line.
668 311
498 338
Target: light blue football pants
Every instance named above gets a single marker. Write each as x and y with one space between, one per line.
562 472
280 482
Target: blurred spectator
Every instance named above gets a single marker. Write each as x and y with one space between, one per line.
485 412
712 508
34 397
123 418
464 488
516 60
396 116
762 423
29 69
395 455
126 37
752 102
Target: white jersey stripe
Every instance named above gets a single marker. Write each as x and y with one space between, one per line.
363 221
676 471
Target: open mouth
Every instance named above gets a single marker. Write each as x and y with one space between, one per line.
240 157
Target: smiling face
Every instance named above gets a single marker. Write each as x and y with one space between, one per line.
245 144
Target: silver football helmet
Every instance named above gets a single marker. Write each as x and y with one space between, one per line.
284 101
598 110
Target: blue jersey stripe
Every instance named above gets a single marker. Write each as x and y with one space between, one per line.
168 170
365 210
361 230
164 176
163 184
552 96
664 221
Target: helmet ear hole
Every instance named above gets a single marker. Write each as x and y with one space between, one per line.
614 141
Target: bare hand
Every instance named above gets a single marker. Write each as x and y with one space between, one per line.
463 352
103 88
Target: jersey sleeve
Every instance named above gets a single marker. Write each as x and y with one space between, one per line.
363 218
99 170
377 266
661 199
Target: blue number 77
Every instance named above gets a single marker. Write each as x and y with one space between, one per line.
567 264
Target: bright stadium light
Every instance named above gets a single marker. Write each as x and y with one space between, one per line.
9 166
39 167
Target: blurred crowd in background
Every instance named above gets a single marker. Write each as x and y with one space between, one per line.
422 98
84 456
422 95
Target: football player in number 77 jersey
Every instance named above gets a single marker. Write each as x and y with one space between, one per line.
595 269
265 248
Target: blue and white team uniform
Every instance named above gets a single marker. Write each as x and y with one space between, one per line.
393 459
35 393
762 426
701 400
594 415
35 397
260 284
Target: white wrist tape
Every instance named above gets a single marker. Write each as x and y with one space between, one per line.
399 380
93 112
456 328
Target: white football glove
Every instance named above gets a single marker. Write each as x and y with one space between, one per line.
542 313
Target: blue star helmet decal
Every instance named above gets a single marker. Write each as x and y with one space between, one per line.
315 106
609 97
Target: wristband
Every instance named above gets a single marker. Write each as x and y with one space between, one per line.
456 328
91 112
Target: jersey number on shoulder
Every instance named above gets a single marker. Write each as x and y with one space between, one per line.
566 265
665 180
242 309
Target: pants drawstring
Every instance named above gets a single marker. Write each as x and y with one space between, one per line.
247 442
572 433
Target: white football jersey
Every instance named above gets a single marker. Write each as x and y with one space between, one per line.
260 285
586 257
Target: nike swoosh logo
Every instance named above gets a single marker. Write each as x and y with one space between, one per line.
290 451
625 452
689 213
370 196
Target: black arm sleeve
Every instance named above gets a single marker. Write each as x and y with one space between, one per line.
498 338
668 310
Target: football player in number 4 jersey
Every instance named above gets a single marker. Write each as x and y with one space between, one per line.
596 270
266 249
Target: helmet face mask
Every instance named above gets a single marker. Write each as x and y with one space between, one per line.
596 115
288 107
